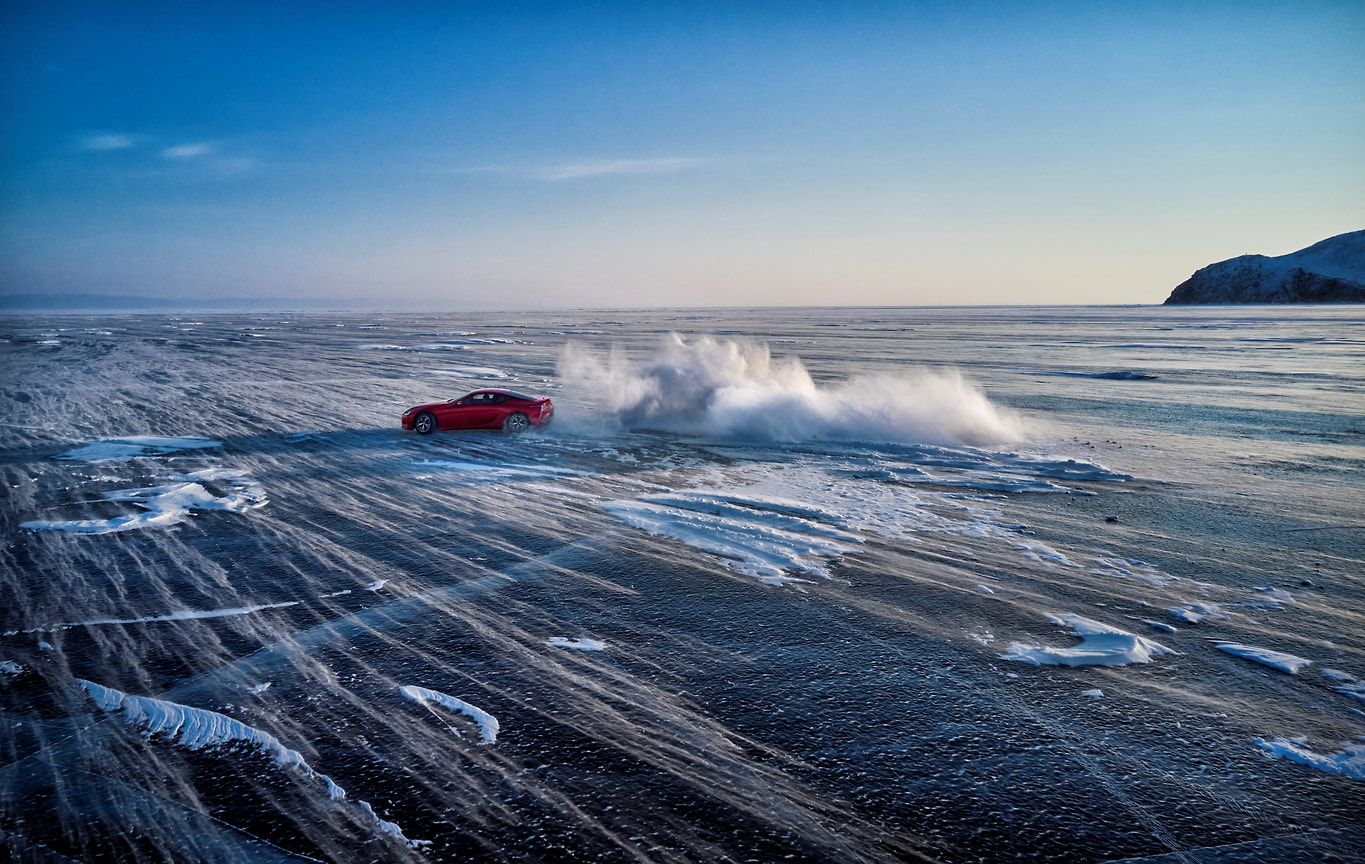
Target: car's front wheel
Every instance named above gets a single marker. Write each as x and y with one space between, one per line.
517 422
424 423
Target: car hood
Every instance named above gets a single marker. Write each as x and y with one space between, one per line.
426 405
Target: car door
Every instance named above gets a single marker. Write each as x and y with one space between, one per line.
498 410
472 412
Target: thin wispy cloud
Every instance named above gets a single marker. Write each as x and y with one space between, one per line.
187 151
610 167
107 141
587 168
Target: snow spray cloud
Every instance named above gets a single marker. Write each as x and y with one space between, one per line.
737 390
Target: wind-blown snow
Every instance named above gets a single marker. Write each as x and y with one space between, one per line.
488 724
802 515
469 372
1274 659
185 615
736 390
492 472
1120 568
1347 683
757 538
1197 612
163 506
1101 645
1273 597
198 729
133 447
1349 761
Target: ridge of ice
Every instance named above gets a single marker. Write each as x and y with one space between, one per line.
488 724
1265 656
199 728
1101 645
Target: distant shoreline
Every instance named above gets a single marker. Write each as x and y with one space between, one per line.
12 306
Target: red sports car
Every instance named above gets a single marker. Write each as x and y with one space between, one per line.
482 409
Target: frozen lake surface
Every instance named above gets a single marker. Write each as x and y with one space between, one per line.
1042 584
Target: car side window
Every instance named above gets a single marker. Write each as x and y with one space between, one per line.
495 398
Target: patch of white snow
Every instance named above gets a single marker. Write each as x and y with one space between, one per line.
1266 657
1101 645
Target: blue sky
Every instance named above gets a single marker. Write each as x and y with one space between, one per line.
445 155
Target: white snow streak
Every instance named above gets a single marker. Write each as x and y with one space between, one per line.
488 724
197 729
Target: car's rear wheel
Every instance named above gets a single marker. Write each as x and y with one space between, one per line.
424 423
516 422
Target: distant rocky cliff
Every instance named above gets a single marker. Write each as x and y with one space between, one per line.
1332 271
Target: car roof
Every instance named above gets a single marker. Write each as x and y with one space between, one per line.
505 392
